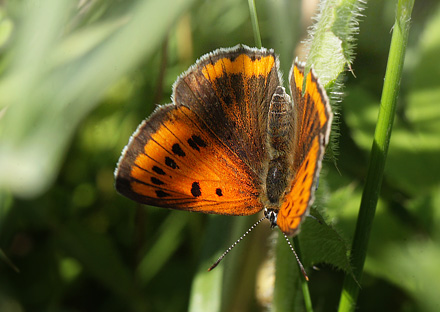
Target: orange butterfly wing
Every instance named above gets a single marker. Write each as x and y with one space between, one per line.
204 153
312 113
231 93
175 161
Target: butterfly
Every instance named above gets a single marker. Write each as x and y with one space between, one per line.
232 142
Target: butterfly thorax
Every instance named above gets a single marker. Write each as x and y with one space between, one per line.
279 143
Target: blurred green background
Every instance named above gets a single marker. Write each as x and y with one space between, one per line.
77 77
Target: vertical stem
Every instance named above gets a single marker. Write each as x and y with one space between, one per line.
286 292
304 285
254 19
379 152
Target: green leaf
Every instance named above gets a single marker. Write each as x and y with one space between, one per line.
321 243
332 38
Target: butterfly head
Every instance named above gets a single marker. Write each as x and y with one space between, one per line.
271 215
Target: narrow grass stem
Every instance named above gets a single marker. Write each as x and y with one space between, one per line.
254 19
379 152
304 283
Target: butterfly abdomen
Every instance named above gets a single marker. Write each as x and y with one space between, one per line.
276 180
279 142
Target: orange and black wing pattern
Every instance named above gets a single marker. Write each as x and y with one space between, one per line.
174 161
204 152
313 118
231 91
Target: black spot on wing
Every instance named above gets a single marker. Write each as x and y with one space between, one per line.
199 141
177 150
158 170
193 145
171 163
219 192
195 189
196 142
162 194
156 181
305 177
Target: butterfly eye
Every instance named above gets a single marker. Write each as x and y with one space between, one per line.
271 215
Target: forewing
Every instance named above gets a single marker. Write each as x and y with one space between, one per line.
312 127
230 90
312 112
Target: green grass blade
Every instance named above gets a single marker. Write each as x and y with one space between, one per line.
255 26
287 293
45 94
206 290
304 285
169 239
378 152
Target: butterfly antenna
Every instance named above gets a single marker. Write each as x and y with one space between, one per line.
235 244
303 271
